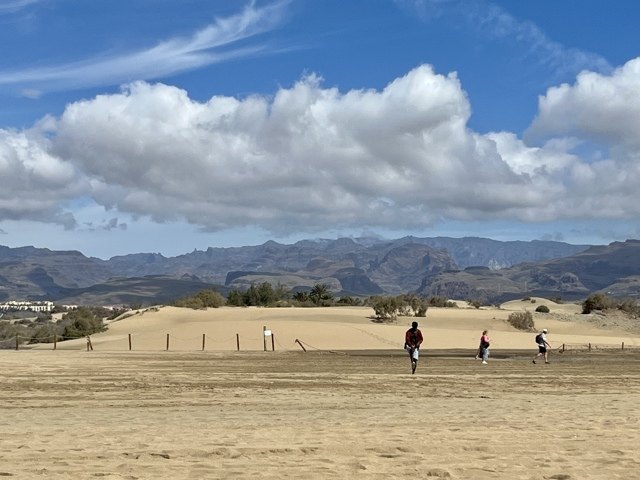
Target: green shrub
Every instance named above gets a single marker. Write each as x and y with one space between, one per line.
350 301
83 321
475 303
421 311
542 309
521 320
630 306
320 295
385 308
597 301
437 301
203 299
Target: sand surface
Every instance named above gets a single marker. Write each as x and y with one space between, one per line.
280 415
343 328
347 408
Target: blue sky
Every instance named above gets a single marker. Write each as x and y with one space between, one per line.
164 126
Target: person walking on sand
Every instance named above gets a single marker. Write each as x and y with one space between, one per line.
543 346
412 341
483 349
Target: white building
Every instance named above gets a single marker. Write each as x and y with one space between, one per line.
12 305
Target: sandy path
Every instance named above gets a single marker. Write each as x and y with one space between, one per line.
73 415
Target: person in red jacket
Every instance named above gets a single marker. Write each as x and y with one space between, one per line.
412 341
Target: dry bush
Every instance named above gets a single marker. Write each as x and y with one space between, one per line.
521 321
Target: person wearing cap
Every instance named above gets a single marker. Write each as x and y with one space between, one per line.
543 346
412 341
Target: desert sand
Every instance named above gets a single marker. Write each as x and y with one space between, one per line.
347 408
342 328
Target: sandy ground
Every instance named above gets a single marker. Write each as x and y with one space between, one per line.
347 408
317 415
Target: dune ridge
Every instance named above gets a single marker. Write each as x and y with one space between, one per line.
344 328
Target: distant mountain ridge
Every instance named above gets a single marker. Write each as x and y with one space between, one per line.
613 269
360 266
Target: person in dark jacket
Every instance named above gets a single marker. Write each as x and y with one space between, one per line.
412 341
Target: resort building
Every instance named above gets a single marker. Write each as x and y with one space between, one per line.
14 305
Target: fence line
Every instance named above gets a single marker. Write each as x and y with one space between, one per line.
200 342
168 340
597 346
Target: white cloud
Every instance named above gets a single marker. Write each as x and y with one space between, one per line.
212 44
311 158
308 159
604 109
34 182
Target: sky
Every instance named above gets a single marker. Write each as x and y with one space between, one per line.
166 126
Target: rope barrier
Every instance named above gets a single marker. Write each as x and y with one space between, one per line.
320 349
224 340
278 343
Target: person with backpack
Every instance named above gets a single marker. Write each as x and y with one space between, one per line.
412 341
543 346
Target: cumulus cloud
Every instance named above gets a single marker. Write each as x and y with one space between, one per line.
311 158
207 46
308 158
604 109
601 114
34 182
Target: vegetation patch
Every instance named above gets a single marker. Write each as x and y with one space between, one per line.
521 321
75 323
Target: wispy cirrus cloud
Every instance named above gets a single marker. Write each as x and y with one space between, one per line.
11 6
493 21
215 43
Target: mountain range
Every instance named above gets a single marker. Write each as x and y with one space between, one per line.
470 268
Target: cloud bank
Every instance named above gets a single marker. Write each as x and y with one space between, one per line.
311 158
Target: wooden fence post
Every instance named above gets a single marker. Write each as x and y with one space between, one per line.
273 342
89 345
300 343
563 348
55 341
622 345
129 342
17 342
167 342
264 338
589 346
203 342
238 341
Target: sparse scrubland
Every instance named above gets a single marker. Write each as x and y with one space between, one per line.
40 328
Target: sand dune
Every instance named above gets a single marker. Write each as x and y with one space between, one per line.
341 328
